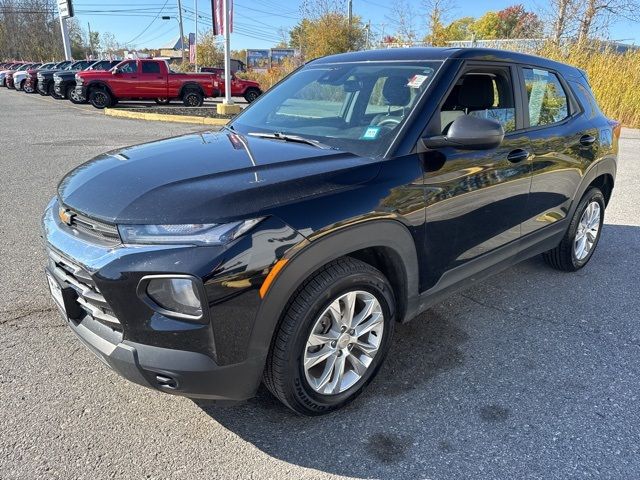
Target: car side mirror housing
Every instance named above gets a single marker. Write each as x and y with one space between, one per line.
466 133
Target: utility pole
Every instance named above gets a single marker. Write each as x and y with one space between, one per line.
93 55
227 55
350 16
181 29
368 34
196 36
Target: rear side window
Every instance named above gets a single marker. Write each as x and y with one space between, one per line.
548 102
150 67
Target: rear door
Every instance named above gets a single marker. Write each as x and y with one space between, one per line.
476 199
563 142
153 83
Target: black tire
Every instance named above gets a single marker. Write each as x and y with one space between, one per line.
563 257
251 94
284 373
52 93
162 101
21 86
192 98
100 98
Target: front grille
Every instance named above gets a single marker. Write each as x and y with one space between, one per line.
89 296
92 229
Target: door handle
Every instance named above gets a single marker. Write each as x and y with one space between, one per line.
517 155
587 140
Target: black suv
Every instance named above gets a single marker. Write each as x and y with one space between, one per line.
352 195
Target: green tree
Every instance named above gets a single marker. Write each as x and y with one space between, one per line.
325 30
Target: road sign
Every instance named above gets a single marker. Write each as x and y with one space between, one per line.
65 7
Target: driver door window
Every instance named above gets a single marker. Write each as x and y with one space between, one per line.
481 93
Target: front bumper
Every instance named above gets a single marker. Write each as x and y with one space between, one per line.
166 354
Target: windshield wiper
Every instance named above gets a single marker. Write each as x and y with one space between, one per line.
290 138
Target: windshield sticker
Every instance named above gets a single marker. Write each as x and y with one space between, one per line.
371 133
416 81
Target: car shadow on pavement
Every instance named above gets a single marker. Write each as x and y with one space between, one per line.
453 382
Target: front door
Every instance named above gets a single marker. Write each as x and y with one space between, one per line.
122 80
476 200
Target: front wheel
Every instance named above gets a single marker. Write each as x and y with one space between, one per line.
583 234
100 99
21 86
333 338
73 96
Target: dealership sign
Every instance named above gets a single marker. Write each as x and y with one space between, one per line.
65 7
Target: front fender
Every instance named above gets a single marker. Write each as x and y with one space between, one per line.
307 257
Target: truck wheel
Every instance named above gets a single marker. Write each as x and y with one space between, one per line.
162 101
332 340
100 98
193 98
73 96
251 94
581 239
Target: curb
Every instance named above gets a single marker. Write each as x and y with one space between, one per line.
163 117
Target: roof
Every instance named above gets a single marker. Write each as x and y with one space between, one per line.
435 53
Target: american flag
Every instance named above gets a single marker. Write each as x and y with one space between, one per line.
217 7
192 48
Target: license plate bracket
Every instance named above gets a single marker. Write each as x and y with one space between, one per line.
64 296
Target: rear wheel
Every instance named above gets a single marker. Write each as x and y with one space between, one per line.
583 234
100 98
333 338
192 98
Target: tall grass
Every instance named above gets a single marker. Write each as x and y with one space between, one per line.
614 78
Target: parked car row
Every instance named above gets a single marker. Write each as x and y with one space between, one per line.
104 83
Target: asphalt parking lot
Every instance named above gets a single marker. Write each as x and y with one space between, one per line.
533 374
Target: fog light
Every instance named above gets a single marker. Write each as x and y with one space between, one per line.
177 296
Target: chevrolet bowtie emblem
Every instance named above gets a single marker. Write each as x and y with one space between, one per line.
65 216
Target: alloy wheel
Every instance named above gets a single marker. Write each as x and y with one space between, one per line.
587 232
343 342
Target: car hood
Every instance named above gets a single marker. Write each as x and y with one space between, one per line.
207 177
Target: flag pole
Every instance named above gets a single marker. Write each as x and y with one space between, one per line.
227 54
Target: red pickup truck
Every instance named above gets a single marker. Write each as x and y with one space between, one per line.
239 87
145 79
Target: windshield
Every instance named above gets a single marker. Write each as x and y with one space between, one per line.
356 107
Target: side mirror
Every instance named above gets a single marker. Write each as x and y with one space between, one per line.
467 133
114 71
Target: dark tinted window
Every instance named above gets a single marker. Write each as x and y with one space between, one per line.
548 102
150 67
129 67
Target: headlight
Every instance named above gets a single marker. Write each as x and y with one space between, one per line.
188 234
173 295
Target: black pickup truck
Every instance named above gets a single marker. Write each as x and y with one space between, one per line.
64 82
354 194
46 85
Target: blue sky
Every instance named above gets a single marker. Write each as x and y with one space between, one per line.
257 24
